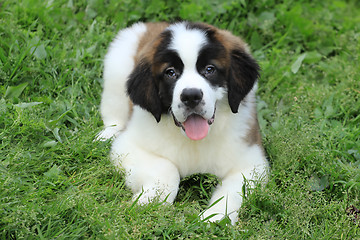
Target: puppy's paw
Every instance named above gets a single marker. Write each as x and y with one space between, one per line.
108 133
216 215
211 216
146 197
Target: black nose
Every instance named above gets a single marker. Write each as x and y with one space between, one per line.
191 97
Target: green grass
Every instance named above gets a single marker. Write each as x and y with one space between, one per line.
56 183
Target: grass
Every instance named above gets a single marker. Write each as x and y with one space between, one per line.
55 183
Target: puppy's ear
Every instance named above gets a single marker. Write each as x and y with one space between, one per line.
244 71
143 91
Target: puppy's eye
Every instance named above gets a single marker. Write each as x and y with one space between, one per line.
209 69
170 73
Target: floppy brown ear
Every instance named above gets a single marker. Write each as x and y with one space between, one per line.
143 91
244 71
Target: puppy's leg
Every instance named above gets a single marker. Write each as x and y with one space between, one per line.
150 177
227 199
157 181
115 112
157 189
115 105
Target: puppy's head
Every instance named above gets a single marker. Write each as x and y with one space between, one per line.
186 70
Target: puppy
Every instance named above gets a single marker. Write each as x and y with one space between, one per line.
179 99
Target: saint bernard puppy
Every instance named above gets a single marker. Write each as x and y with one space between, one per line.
179 99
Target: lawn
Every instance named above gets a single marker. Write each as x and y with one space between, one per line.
56 183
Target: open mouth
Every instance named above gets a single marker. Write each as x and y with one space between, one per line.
195 126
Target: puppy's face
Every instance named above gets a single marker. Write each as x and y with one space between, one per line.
192 67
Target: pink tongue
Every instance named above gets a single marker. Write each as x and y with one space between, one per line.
196 128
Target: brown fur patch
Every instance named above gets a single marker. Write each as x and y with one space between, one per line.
131 108
149 41
230 41
253 136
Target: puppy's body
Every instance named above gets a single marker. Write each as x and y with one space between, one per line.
191 110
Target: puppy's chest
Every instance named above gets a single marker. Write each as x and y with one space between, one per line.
202 157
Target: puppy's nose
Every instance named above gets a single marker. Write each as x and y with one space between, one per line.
191 97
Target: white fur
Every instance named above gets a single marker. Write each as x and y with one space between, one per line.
155 155
118 65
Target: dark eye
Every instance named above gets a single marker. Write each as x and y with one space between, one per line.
170 73
209 69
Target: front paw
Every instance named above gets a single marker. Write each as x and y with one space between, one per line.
108 133
216 215
153 195
211 216
145 197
